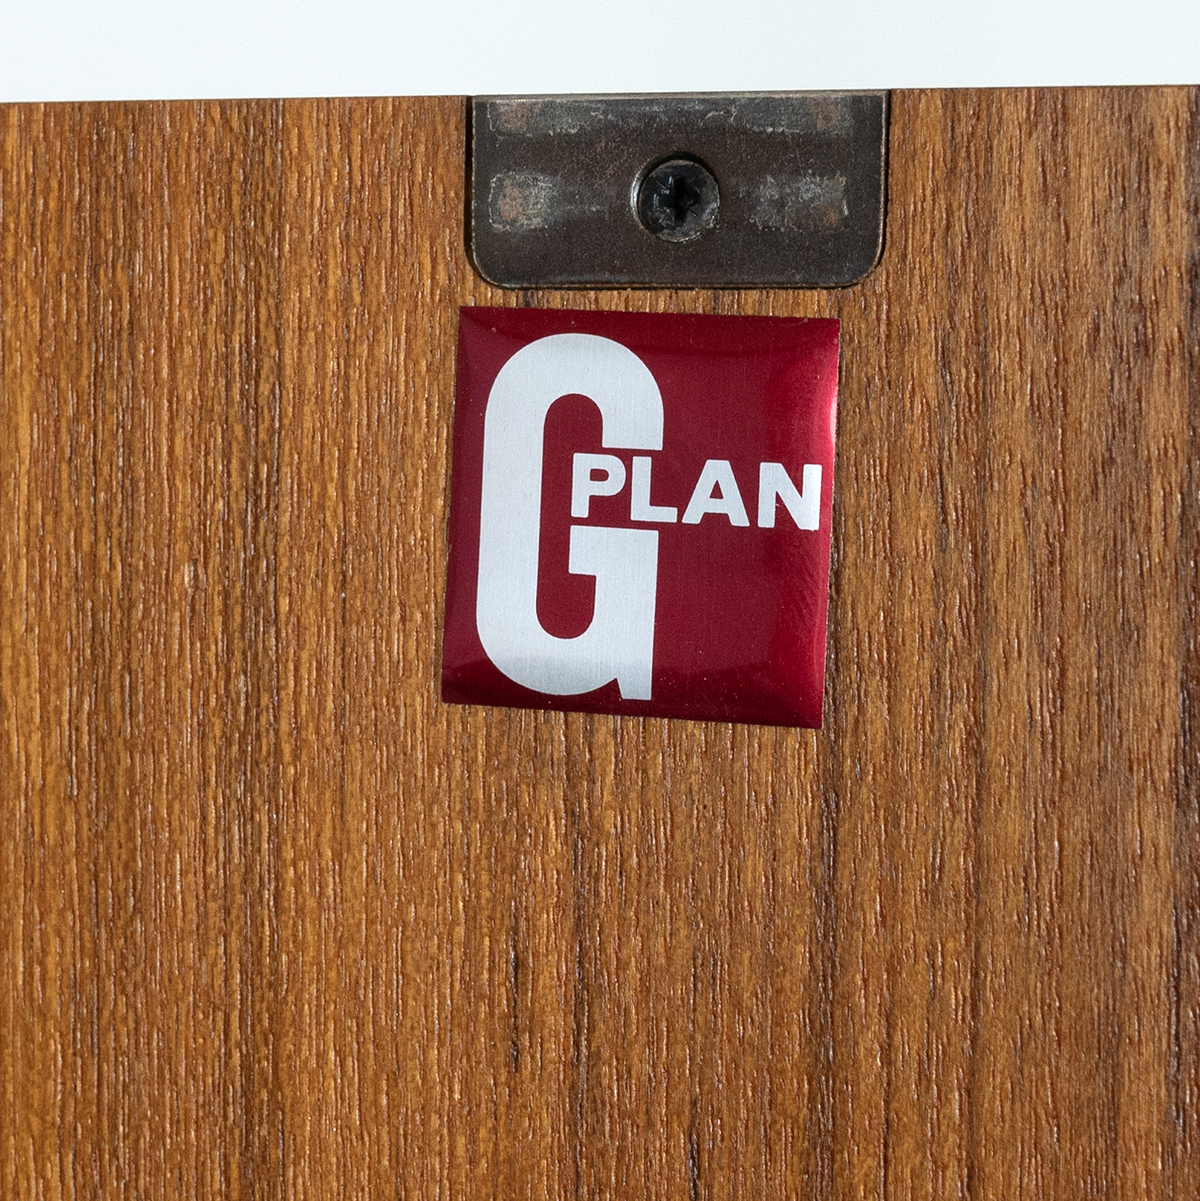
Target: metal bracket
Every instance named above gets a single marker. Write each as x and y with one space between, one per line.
752 190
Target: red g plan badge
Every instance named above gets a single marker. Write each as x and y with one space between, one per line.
640 514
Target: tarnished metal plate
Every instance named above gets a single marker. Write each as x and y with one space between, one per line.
750 190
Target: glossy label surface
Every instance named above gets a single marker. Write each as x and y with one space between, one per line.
640 514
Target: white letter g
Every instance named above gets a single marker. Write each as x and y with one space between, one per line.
619 642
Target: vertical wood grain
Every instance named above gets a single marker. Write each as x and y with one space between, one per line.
279 923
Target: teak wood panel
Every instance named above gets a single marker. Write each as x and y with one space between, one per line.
276 922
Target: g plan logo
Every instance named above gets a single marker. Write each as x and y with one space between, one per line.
640 514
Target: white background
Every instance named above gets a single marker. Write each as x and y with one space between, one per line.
114 49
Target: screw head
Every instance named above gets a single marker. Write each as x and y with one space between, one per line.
677 200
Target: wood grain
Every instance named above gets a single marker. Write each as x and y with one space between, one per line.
276 922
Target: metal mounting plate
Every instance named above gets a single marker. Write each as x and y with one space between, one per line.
556 183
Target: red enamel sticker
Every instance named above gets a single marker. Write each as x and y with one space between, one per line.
640 514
